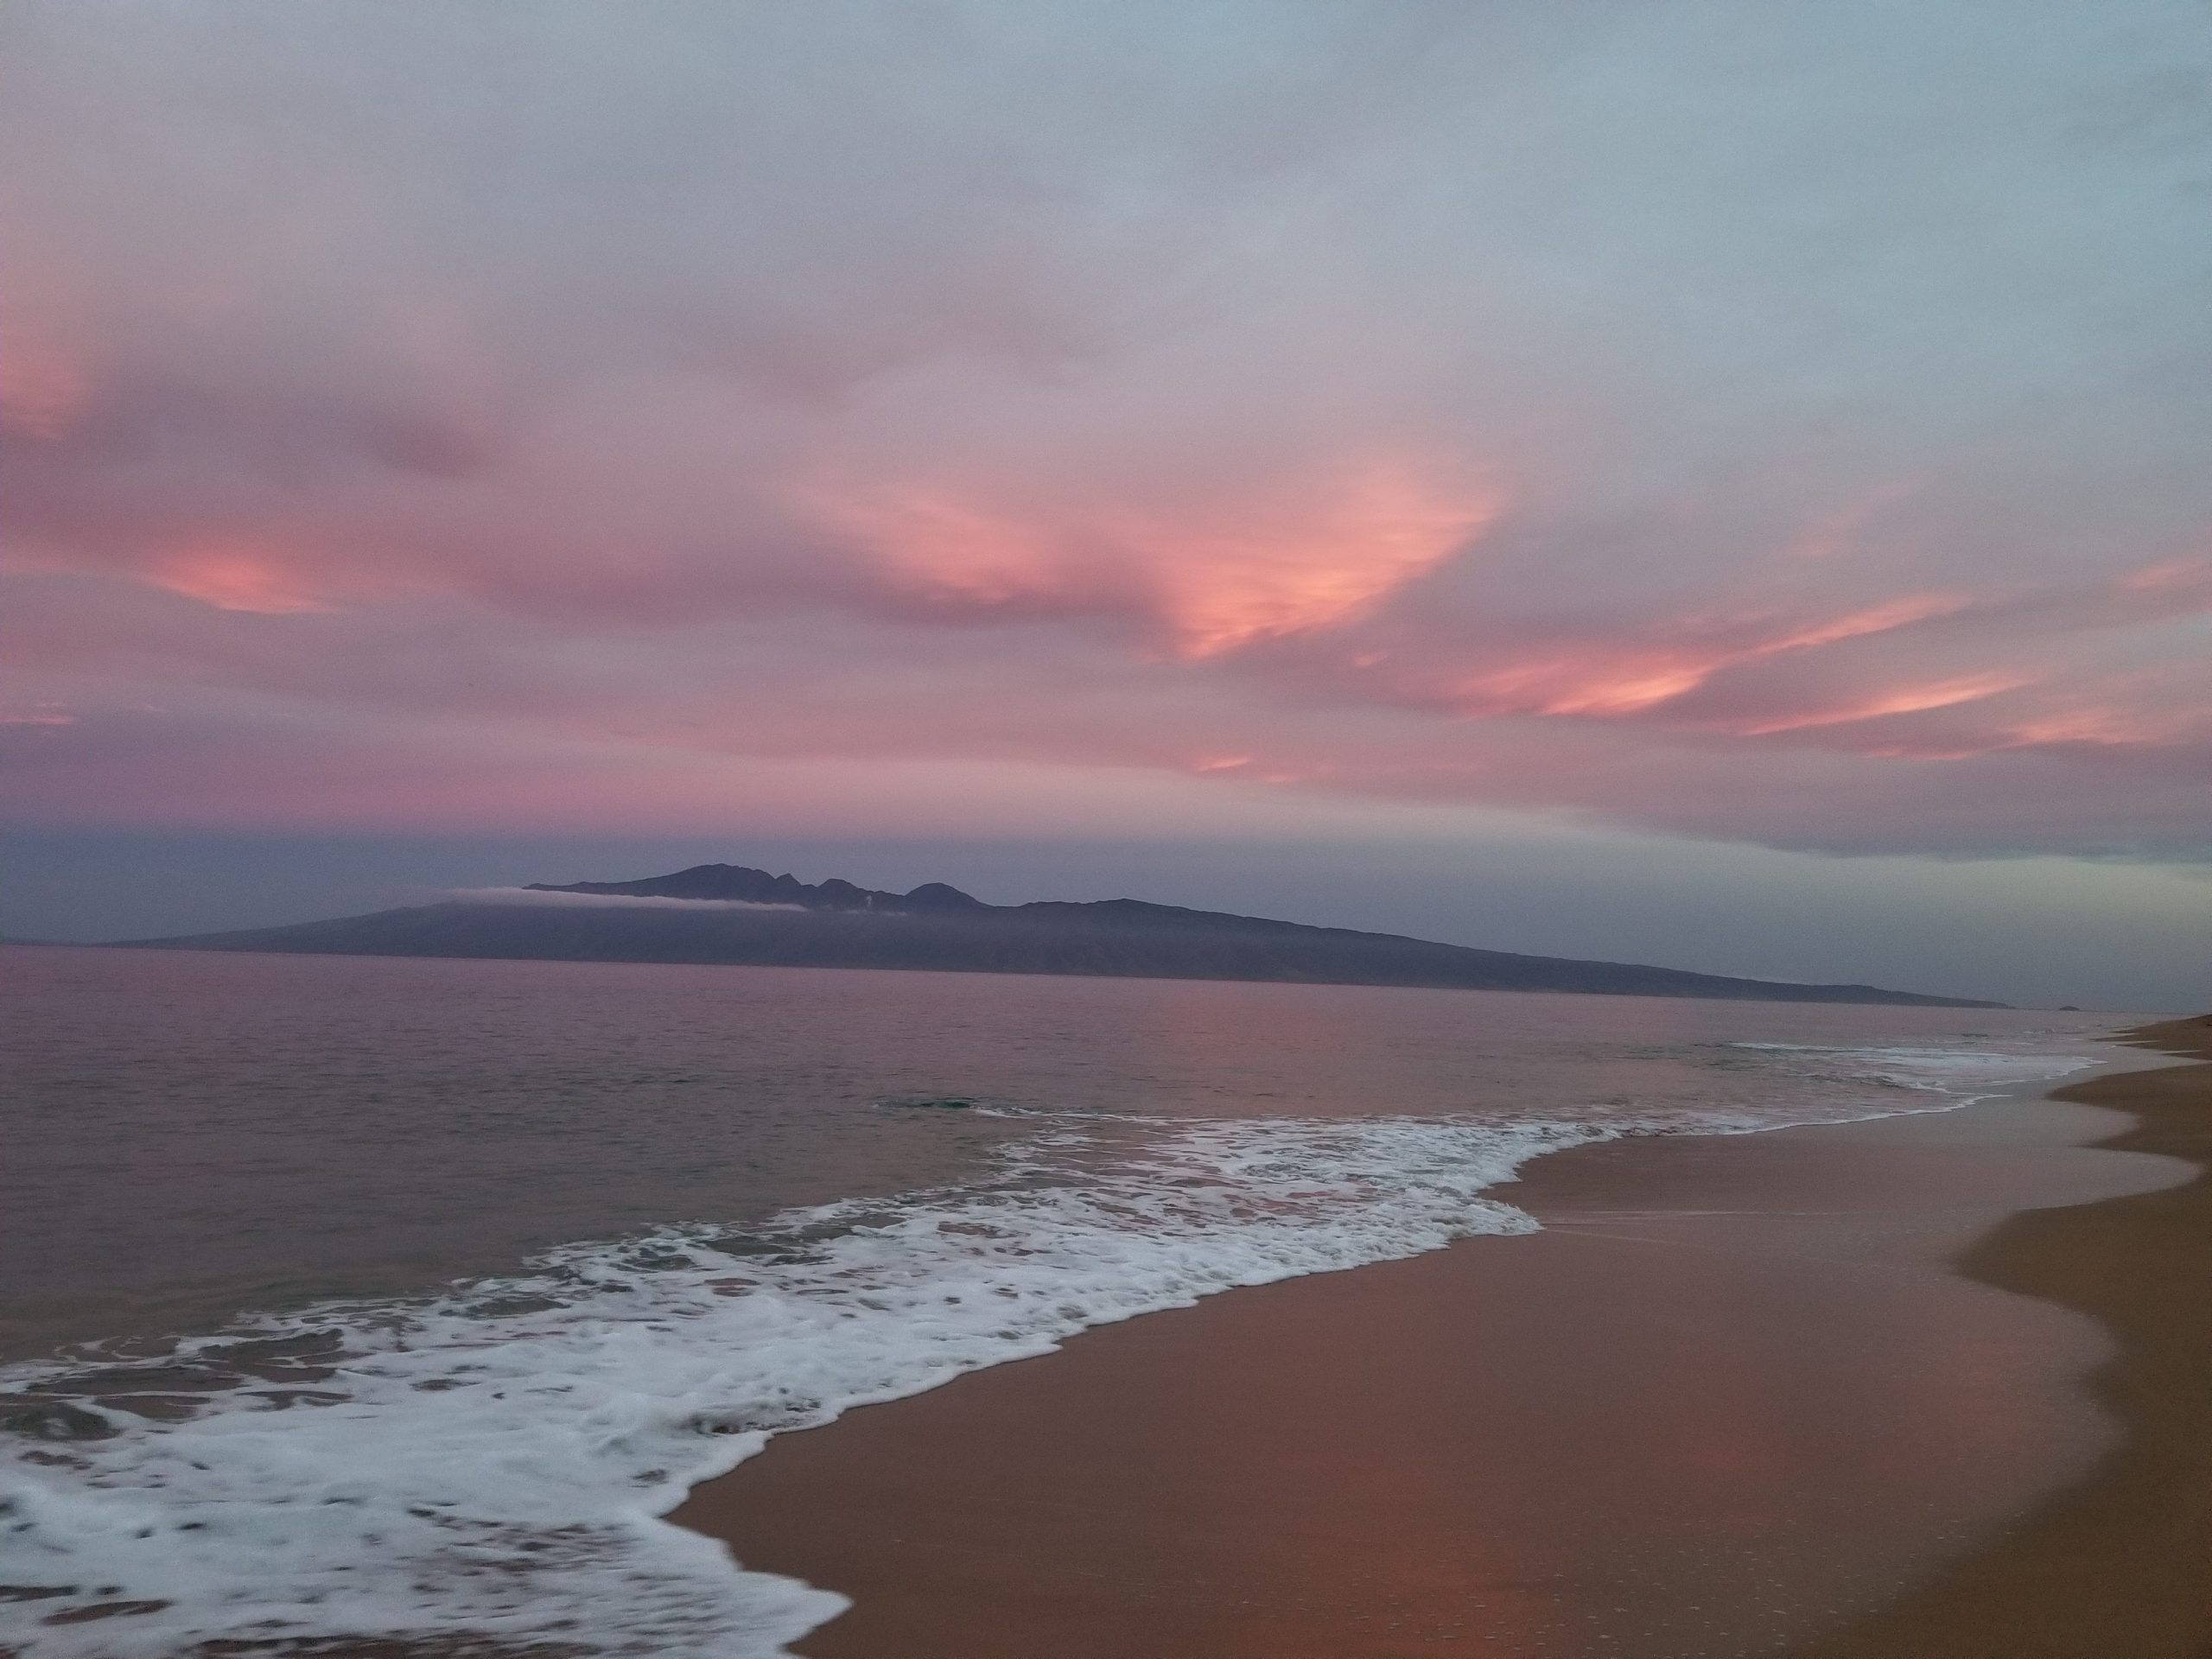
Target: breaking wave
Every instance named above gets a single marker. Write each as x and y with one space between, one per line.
494 1461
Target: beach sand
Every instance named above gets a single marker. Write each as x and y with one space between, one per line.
2120 1566
1732 1400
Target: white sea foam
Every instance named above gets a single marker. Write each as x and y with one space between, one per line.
1952 1076
493 1461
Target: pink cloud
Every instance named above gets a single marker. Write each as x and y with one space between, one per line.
1884 617
2171 577
1604 684
1655 667
1903 700
1305 556
236 576
1230 428
2097 728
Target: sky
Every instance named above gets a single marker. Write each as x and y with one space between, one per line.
1717 484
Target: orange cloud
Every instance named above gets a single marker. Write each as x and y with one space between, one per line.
1617 684
1914 699
2101 728
1295 567
1857 625
1604 684
1217 576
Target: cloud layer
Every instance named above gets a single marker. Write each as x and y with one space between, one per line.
538 897
1769 423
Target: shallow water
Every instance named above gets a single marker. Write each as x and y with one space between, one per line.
405 1294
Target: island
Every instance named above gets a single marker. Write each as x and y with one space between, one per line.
728 914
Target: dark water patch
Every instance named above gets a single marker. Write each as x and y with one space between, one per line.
144 1379
655 1258
279 1359
509 1307
285 1399
95 1611
53 1420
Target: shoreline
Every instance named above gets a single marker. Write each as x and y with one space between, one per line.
2116 1563
1036 1507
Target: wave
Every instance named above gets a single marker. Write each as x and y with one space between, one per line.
1957 1077
492 1462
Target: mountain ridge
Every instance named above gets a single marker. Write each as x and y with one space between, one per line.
734 915
740 884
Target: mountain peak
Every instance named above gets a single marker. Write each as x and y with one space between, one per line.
936 895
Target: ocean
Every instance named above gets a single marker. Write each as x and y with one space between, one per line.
347 1296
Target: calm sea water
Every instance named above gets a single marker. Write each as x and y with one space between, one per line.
345 1294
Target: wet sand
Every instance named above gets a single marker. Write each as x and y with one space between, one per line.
2120 1566
1733 1399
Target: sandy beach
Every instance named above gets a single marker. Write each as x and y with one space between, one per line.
1930 1386
2121 1563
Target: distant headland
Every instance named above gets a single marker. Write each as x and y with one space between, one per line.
727 913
